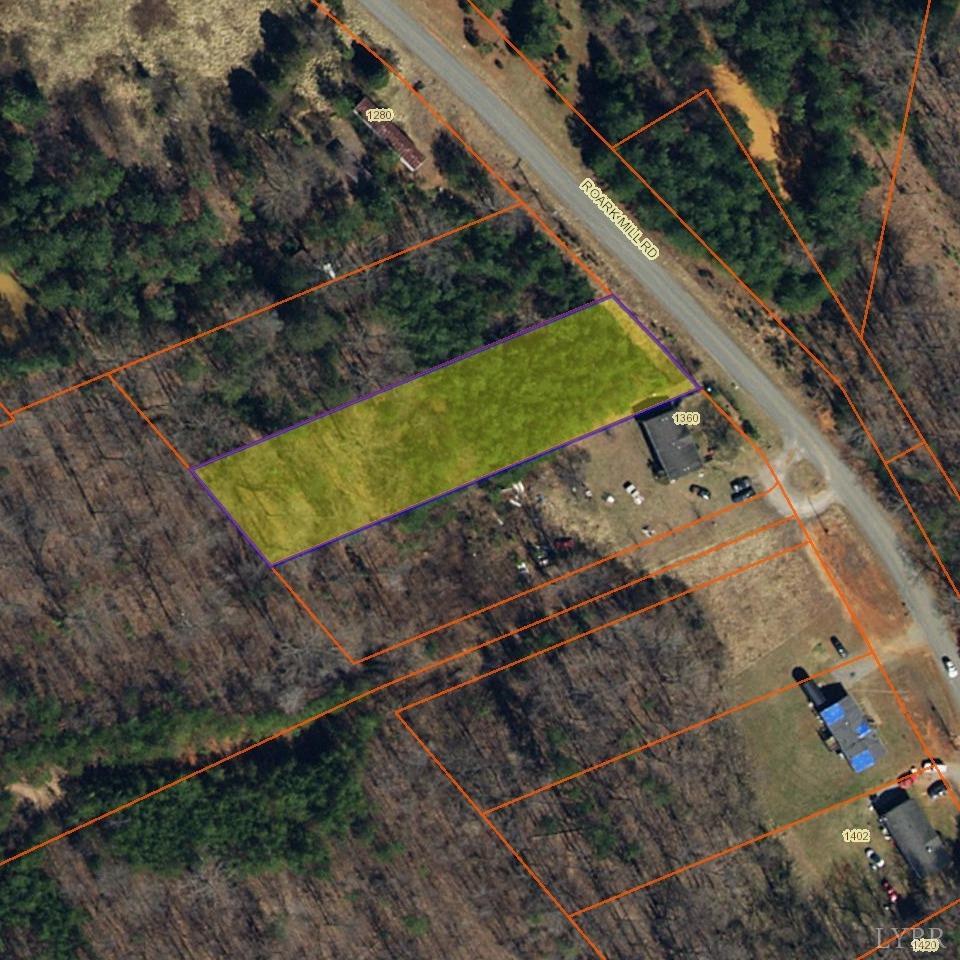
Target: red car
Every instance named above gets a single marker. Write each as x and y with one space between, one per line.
888 889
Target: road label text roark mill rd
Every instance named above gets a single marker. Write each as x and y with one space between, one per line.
622 222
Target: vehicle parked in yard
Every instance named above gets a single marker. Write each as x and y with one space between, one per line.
874 858
839 647
930 766
889 890
741 488
633 492
697 490
950 668
937 790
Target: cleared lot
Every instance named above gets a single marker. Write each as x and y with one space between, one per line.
372 459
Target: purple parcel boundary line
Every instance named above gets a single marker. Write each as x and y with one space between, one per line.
486 476
670 354
243 533
399 383
695 387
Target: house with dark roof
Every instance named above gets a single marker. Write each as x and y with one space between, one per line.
919 844
672 447
392 135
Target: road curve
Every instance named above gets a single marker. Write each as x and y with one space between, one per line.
797 429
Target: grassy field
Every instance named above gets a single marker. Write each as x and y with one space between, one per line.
423 438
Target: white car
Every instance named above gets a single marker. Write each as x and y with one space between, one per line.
634 493
951 668
874 858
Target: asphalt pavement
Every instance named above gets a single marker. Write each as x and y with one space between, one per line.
797 429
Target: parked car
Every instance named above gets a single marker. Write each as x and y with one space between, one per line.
702 492
541 555
741 488
634 493
874 858
889 890
951 668
936 764
564 543
839 647
937 790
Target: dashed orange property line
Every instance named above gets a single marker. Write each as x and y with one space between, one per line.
901 142
634 751
606 901
617 554
163 438
663 116
616 621
500 836
905 453
261 310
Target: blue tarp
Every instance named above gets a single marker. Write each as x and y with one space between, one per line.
833 714
862 761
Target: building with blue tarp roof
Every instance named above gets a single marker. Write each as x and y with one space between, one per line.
855 739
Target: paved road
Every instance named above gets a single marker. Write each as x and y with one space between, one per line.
797 429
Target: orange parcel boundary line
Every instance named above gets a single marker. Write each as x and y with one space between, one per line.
883 944
645 183
803 347
455 133
651 575
895 170
306 607
906 453
186 466
663 116
858 333
633 751
616 621
624 551
501 837
397 680
300 724
759 300
606 901
261 310
771 193
159 433
837 382
835 583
